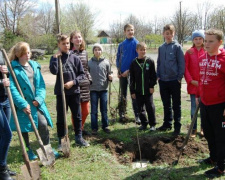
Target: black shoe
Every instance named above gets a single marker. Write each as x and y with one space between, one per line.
84 132
214 172
106 130
4 174
94 132
176 133
142 128
81 142
137 120
207 161
11 173
164 128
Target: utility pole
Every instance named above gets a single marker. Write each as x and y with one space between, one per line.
180 19
57 16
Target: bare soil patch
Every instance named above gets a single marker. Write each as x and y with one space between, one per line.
157 150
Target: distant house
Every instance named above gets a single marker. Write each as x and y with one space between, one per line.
104 38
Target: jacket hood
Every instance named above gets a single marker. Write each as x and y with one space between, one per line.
95 59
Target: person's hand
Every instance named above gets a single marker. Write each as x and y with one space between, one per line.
35 103
4 69
133 96
197 101
151 90
56 55
195 83
6 82
110 77
27 109
224 113
69 84
158 79
125 73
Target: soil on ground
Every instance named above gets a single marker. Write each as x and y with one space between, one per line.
157 150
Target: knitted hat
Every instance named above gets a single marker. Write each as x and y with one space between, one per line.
198 33
97 45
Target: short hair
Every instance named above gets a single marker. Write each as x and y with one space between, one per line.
141 45
62 37
218 33
128 26
169 27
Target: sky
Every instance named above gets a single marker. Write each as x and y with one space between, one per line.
113 10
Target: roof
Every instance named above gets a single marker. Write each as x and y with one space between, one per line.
103 34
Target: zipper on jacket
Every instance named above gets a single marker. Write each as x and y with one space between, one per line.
142 75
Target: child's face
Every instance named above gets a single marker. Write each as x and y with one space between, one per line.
198 41
129 32
168 35
141 52
77 39
212 44
97 52
64 46
25 56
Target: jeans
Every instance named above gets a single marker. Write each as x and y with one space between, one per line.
5 137
193 108
171 90
213 123
95 96
6 108
123 97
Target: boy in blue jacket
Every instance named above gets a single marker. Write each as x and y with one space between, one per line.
125 55
170 71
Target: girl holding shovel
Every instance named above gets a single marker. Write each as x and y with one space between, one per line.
29 77
77 45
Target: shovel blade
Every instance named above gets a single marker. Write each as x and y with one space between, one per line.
65 142
35 172
50 159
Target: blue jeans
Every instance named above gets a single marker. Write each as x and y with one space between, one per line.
95 96
5 137
6 108
193 107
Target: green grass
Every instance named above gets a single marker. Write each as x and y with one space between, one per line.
95 162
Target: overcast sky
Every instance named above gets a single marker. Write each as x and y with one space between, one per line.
112 10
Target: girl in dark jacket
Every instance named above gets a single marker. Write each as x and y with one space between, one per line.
77 45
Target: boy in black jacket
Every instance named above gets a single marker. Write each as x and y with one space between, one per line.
142 82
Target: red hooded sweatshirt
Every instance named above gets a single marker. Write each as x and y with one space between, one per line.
212 78
191 68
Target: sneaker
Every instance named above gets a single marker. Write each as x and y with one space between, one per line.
164 128
84 132
201 133
4 174
94 132
137 120
194 133
57 155
207 161
152 128
81 142
59 148
214 172
31 155
142 128
106 130
11 173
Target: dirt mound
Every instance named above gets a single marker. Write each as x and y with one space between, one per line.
157 150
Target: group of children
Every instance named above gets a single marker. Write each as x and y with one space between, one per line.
87 80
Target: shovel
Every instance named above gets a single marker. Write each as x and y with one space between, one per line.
30 170
45 153
65 142
188 135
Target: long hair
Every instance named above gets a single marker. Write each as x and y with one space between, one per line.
82 46
18 50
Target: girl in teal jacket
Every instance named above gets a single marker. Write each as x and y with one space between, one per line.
30 79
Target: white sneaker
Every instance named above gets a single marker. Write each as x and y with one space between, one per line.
152 128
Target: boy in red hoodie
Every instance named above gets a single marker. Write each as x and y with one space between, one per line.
212 105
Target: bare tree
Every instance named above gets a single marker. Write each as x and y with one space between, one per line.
12 11
116 31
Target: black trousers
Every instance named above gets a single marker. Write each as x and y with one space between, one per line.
171 90
147 101
73 101
213 123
